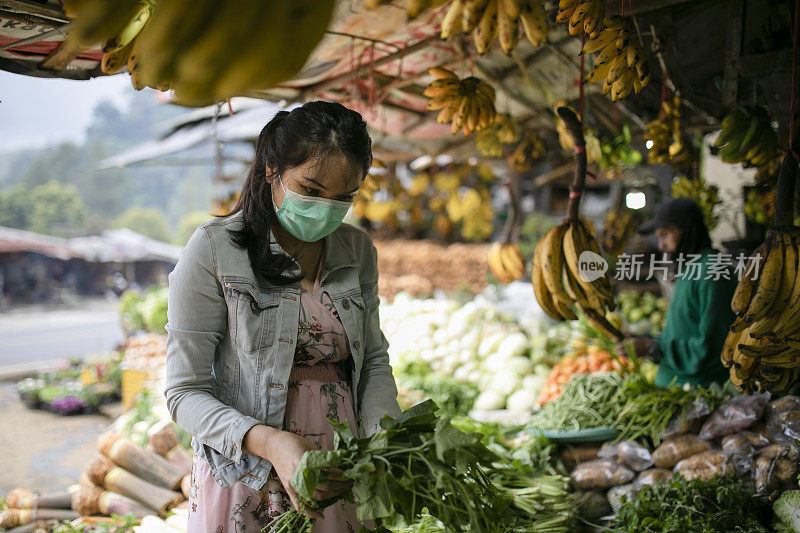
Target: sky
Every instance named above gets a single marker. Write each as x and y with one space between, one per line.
35 112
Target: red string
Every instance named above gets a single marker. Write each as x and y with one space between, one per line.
230 108
794 79
575 194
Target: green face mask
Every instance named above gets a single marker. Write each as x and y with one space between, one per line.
309 218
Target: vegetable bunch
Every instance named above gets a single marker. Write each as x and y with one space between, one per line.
632 405
720 504
422 461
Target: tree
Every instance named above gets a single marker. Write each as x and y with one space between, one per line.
57 209
148 221
15 207
188 223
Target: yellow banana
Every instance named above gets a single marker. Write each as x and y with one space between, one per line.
729 348
600 41
768 282
486 29
131 30
441 73
453 19
114 61
539 287
507 27
553 266
473 13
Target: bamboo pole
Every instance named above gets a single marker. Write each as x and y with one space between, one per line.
147 465
93 500
164 441
20 517
25 499
102 471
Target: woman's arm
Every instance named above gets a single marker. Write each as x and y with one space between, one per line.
377 390
197 317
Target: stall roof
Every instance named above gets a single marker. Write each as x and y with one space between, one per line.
189 131
112 246
17 240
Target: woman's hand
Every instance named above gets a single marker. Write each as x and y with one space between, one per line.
640 345
285 450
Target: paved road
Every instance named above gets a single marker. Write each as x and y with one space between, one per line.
31 335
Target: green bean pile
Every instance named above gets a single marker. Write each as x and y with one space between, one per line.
632 405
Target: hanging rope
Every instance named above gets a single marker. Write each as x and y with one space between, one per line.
581 81
796 36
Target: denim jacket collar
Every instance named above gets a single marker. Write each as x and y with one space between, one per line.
337 254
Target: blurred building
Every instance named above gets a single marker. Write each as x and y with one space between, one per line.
43 268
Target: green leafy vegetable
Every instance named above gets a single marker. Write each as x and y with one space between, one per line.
721 504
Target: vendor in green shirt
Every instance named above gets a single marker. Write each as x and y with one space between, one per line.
699 315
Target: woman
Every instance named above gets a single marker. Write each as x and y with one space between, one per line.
273 326
699 315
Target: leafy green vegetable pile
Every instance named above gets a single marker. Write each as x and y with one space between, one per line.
421 462
632 405
454 398
787 512
721 504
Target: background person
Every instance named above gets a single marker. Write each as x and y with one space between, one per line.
699 315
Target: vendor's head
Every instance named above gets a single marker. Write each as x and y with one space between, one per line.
308 166
679 227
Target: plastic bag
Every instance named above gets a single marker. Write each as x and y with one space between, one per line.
775 466
678 448
784 426
737 444
705 465
781 405
618 495
601 474
652 476
682 422
739 413
574 455
629 453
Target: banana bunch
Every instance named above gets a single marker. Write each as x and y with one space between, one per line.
472 211
762 350
760 207
706 196
582 16
621 59
557 279
620 225
747 137
467 104
506 262
490 141
670 145
487 19
413 7
206 50
529 149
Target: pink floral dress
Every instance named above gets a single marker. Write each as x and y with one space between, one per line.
318 389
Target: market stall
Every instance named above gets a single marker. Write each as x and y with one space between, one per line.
519 144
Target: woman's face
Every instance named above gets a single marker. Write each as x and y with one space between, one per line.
668 237
335 182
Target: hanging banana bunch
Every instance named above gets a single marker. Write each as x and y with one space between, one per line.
467 104
559 282
621 59
490 141
472 211
506 262
747 137
582 15
620 226
204 51
488 19
762 350
670 145
704 194
529 149
414 8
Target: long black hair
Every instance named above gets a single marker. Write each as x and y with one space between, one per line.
694 233
322 132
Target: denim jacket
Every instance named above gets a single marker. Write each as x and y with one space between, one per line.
231 341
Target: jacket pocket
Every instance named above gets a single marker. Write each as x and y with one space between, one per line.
251 315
